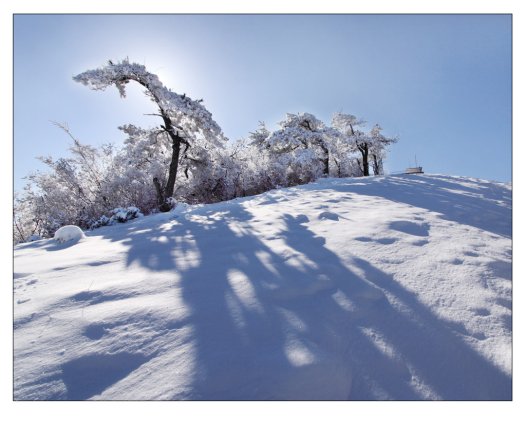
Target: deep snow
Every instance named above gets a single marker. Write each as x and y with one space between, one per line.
395 287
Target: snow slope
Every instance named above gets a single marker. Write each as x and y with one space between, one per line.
395 287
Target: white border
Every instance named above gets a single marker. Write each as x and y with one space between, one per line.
264 410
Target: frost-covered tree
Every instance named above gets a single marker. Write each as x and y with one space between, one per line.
210 175
343 160
301 146
85 186
71 192
371 145
263 166
378 145
94 186
26 223
348 125
259 169
143 156
186 122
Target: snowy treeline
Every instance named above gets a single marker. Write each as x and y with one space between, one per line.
186 159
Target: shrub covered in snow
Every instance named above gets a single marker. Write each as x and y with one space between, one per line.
120 215
68 233
144 171
125 214
101 222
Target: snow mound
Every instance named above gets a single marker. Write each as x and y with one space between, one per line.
69 233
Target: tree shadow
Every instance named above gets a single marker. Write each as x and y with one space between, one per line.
425 344
292 321
289 320
480 204
439 355
151 248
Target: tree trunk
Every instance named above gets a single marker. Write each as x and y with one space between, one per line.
170 183
325 160
174 164
338 166
377 165
364 149
365 156
168 127
159 191
359 165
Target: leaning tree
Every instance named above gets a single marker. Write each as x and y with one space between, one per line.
185 121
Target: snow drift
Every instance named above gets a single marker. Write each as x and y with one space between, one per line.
392 287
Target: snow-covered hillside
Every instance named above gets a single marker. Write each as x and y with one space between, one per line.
393 287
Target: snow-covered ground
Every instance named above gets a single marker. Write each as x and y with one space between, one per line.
394 287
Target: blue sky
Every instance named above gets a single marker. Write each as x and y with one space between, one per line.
442 83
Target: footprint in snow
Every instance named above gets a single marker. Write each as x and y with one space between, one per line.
328 215
97 297
22 301
471 254
481 312
364 239
412 228
99 263
386 240
22 280
479 335
95 331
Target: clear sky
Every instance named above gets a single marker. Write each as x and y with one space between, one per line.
442 83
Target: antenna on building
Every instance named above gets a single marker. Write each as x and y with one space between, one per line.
414 170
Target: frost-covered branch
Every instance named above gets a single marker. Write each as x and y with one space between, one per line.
186 121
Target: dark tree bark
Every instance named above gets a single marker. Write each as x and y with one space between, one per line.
325 160
359 165
174 164
338 166
364 150
377 164
159 191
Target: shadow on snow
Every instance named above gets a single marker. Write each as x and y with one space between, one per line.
481 205
268 327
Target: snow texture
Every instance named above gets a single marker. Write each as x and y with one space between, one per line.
373 288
